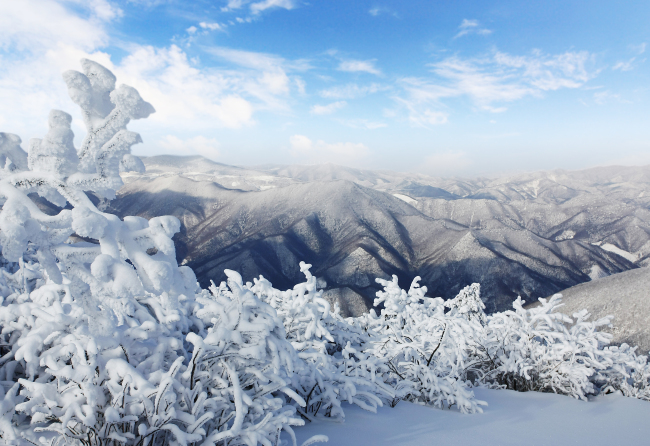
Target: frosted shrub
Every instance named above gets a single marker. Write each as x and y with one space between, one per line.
468 305
627 373
91 330
336 362
241 361
544 350
426 350
98 323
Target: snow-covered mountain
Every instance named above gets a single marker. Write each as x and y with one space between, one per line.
530 235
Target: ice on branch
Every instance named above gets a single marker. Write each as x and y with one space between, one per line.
106 110
55 154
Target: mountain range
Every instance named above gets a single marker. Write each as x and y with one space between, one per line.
531 234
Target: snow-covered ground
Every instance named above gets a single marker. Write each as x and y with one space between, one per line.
511 418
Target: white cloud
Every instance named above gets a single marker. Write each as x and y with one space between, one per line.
494 109
367 66
364 124
327 109
183 95
379 10
624 66
258 7
33 25
638 49
629 64
198 145
234 4
497 79
265 76
346 153
191 30
446 164
351 91
471 27
435 117
427 117
211 26
603 97
300 84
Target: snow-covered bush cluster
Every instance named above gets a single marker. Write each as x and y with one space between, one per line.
426 350
104 339
543 350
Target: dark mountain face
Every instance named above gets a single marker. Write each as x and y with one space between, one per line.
530 235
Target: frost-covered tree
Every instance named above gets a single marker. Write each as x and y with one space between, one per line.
544 350
426 350
240 364
103 339
337 364
468 304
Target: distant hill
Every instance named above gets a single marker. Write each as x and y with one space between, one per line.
626 296
530 235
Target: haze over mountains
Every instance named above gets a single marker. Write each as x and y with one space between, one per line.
531 234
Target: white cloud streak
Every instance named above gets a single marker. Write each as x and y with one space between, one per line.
211 26
327 109
498 79
362 124
471 27
355 66
352 91
379 10
258 7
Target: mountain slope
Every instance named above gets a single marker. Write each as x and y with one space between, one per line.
527 239
626 296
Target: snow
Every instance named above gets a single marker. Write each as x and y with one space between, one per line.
566 235
596 272
616 250
406 198
511 418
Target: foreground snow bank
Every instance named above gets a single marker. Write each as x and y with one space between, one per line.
511 418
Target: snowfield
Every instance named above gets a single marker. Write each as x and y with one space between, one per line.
511 418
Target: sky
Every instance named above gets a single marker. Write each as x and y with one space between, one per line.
462 88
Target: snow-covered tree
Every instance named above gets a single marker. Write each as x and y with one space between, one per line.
337 364
544 350
426 350
103 339
240 365
468 304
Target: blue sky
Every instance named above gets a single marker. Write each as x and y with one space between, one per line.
459 88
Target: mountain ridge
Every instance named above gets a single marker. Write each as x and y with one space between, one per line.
532 235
